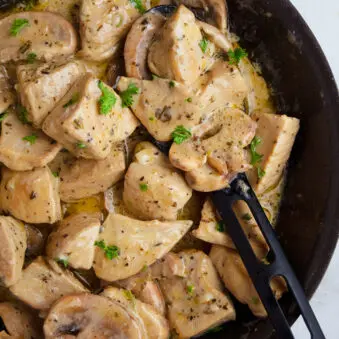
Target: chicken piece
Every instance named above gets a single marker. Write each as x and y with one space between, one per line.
103 24
156 325
73 241
77 123
13 247
18 322
137 44
40 88
162 105
145 289
236 279
134 244
43 282
175 53
6 93
153 188
193 293
81 178
22 147
277 134
45 34
92 316
31 196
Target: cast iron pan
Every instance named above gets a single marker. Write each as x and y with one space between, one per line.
278 39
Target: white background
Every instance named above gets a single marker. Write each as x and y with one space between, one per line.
323 18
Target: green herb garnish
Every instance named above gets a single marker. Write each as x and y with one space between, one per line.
203 44
3 116
137 4
260 172
235 56
22 114
190 289
255 156
111 251
17 26
246 217
171 84
129 296
72 101
80 145
30 138
143 187
188 99
55 174
127 95
31 58
220 226
180 134
151 118
63 262
107 99
154 76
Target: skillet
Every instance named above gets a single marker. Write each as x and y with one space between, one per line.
278 39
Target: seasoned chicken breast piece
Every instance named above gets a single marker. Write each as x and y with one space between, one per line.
31 196
27 32
13 247
89 118
126 245
153 188
23 147
44 282
175 53
6 92
72 242
40 88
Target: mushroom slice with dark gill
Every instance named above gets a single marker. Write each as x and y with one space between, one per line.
45 34
153 188
6 91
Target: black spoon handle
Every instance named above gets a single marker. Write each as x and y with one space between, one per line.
262 273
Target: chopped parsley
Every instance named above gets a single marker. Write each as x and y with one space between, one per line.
144 268
188 99
246 217
255 300
31 58
3 116
190 289
256 158
72 101
235 56
151 118
260 172
111 251
107 99
80 145
22 114
55 174
129 296
220 226
203 44
30 4
30 138
143 187
63 262
17 26
180 134
171 84
154 76
127 95
137 4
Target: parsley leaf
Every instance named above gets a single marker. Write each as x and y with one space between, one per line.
246 217
180 134
261 172
31 58
171 84
143 187
129 295
30 138
137 4
235 56
72 101
188 99
111 251
55 174
255 156
220 226
127 95
80 145
23 114
203 44
61 261
107 99
190 289
3 116
17 26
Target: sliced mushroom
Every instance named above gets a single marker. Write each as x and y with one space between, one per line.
92 316
77 124
81 178
236 279
155 324
18 321
31 196
214 35
103 24
73 241
139 243
37 28
35 240
153 188
175 53
162 105
43 282
193 293
137 44
277 134
13 247
6 93
115 68
41 87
